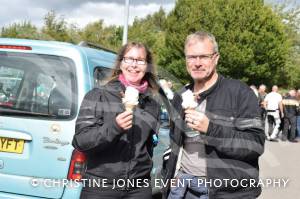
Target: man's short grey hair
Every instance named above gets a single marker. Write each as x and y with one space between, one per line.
262 86
201 36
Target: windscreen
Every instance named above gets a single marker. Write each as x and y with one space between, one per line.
35 85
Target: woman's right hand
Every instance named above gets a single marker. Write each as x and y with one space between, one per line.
124 120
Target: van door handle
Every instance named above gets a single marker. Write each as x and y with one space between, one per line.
15 134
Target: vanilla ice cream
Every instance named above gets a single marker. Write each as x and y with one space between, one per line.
188 100
131 98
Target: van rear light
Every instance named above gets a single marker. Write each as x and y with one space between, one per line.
77 166
15 47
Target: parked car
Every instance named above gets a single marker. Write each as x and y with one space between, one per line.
43 84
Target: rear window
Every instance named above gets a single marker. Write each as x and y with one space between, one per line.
35 85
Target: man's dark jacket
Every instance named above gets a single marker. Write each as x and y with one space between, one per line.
111 152
234 140
290 106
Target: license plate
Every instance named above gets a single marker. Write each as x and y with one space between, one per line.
11 145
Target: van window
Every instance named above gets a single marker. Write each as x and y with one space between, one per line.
101 75
35 85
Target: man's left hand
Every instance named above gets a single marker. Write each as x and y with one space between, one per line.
196 120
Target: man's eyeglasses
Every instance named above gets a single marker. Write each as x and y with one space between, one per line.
204 57
130 60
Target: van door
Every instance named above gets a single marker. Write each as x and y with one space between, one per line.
38 95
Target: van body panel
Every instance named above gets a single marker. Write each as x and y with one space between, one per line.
38 137
70 192
46 156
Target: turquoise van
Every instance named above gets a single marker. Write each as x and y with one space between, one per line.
42 84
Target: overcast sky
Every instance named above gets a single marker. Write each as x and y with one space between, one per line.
80 12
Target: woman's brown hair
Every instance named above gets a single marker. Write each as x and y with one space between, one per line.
150 75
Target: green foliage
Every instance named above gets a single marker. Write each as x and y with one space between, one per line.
23 30
73 33
55 28
251 38
289 11
150 31
96 32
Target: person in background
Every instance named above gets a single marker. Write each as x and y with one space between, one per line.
261 97
253 87
298 113
166 86
290 107
118 142
263 112
221 138
274 106
170 84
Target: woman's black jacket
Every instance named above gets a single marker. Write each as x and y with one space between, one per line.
111 152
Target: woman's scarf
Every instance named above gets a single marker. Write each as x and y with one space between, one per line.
141 88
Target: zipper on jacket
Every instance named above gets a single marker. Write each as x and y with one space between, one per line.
130 139
206 171
204 137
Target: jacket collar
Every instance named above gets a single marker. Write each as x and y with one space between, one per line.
207 92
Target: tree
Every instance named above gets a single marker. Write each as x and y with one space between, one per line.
55 28
252 42
150 31
98 33
74 33
20 30
289 11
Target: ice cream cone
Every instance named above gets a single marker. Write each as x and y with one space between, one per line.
131 98
129 107
188 100
191 108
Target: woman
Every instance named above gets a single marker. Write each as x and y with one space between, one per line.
118 142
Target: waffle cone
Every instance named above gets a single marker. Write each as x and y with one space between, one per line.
129 107
189 108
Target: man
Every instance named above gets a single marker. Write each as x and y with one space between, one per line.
273 101
261 97
290 106
229 135
261 102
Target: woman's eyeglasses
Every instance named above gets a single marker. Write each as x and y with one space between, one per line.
130 60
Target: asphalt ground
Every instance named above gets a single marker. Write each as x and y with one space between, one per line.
280 161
